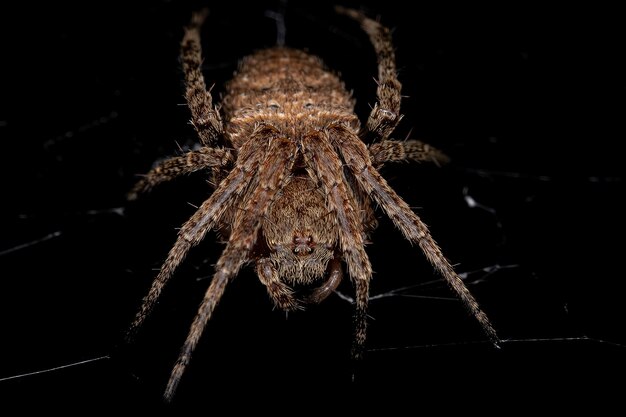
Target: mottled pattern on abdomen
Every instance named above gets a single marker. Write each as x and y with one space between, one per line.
288 89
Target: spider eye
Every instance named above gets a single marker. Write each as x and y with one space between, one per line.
302 245
302 250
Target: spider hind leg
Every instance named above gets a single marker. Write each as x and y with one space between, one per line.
385 114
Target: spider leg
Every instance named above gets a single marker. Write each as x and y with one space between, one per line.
356 156
194 230
190 162
280 293
323 165
410 150
205 117
277 165
385 115
364 207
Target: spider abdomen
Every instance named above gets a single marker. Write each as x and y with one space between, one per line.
288 89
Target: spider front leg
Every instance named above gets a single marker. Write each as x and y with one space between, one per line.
323 165
204 158
279 160
385 115
194 230
356 156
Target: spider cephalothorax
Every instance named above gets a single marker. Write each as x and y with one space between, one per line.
295 183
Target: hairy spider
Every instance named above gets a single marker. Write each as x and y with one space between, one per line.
295 183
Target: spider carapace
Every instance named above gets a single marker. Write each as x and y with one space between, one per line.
295 182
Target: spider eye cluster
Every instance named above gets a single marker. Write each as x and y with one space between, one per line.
302 245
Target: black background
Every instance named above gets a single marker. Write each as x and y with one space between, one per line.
528 102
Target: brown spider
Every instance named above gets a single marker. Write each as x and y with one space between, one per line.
295 182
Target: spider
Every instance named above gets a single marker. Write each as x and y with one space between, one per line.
295 182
